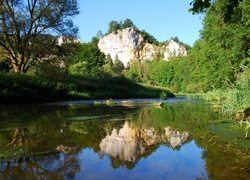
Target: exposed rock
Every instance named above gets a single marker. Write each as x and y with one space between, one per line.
62 39
128 45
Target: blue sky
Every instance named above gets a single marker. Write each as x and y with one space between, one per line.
162 19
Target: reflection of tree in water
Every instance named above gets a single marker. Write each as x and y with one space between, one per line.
49 166
21 137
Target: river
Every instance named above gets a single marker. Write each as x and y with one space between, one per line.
130 139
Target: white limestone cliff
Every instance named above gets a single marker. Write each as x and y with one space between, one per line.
62 39
127 45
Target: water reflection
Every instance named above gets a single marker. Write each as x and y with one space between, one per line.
86 141
130 143
51 166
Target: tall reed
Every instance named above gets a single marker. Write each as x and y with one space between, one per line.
237 98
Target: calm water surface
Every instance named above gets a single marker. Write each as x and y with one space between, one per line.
129 140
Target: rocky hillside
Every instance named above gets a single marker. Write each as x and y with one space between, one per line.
127 45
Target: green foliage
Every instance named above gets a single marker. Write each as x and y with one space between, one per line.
127 24
87 60
139 72
113 27
25 88
5 65
227 12
163 96
161 73
148 38
118 66
80 68
237 97
216 59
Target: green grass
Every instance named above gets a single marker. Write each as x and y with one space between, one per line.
23 88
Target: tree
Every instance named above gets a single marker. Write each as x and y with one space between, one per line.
113 27
148 38
109 60
128 24
99 34
118 66
23 24
202 5
87 60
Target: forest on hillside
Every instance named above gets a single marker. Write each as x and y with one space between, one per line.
219 60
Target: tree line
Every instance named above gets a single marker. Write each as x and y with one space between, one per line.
28 44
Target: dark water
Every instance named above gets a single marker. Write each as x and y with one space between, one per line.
128 140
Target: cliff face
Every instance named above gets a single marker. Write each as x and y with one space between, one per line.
129 45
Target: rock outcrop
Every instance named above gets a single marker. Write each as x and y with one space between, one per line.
62 39
128 45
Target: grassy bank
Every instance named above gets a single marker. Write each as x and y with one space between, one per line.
23 88
234 100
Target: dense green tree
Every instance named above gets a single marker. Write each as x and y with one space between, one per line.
140 71
107 68
128 24
215 59
148 38
118 66
228 10
113 27
109 60
161 73
227 44
89 58
22 23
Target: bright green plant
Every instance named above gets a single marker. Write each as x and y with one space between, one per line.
237 98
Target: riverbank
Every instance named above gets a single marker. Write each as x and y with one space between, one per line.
24 88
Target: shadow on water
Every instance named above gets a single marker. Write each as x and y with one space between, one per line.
132 139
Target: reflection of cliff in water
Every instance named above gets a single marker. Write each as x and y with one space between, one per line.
130 143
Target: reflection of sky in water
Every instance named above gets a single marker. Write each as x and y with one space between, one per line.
164 163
